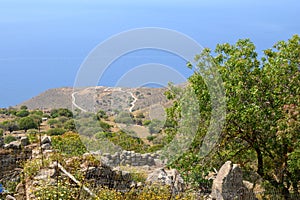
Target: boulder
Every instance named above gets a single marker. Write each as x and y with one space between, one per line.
229 184
46 146
9 197
13 145
24 141
45 140
167 177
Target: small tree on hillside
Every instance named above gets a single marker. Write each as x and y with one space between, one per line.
26 123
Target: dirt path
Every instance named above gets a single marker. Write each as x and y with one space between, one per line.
133 103
74 102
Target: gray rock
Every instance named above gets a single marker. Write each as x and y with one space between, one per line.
9 197
24 141
167 177
45 140
45 174
46 146
229 184
13 145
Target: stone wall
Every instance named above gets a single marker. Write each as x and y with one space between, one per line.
132 159
111 178
12 159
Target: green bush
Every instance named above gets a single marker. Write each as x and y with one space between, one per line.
22 113
53 122
26 123
69 144
8 139
124 118
56 131
32 135
146 122
104 125
151 138
61 112
101 115
128 142
70 125
155 126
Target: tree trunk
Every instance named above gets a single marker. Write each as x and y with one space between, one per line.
260 163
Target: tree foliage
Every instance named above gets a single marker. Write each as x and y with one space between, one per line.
26 123
262 119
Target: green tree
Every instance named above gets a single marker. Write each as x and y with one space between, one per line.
37 112
23 107
61 112
70 125
22 113
37 119
26 123
9 125
257 92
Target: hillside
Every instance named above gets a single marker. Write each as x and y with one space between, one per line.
96 98
52 98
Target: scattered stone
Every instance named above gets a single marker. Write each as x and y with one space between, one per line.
13 145
9 197
131 158
167 177
45 140
46 146
24 141
229 184
45 174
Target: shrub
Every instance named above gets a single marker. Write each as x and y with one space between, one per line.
124 118
146 122
128 142
69 144
101 115
37 112
70 125
26 123
104 125
52 122
155 126
61 112
22 113
151 138
8 139
32 135
32 167
56 131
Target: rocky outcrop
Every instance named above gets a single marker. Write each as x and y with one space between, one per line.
132 159
229 184
167 177
45 140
